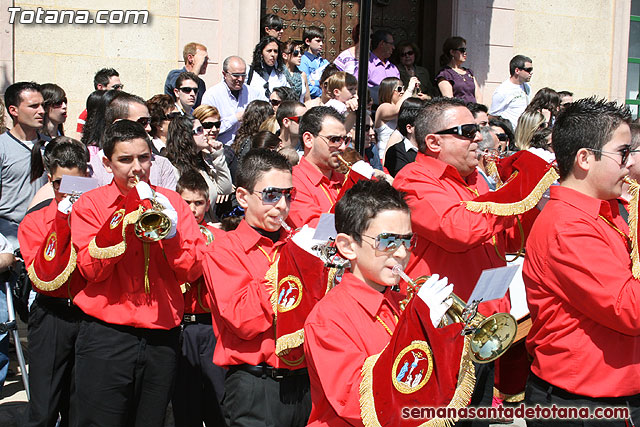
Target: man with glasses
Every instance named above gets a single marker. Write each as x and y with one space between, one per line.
512 96
259 389
316 177
582 294
230 97
288 116
380 67
196 60
185 92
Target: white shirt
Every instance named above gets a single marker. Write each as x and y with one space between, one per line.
220 96
509 101
275 80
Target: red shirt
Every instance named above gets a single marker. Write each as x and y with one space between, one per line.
340 333
32 234
82 120
316 193
115 291
584 302
234 272
196 299
452 241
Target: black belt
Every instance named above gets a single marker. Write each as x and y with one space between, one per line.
266 371
48 300
564 394
203 318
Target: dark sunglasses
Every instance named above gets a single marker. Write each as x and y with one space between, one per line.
624 153
56 184
237 75
198 131
295 52
399 89
275 102
389 242
172 115
118 86
337 140
295 118
461 49
144 121
186 89
272 195
210 125
407 53
502 137
466 131
528 69
59 103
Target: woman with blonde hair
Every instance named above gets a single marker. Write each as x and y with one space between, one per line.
210 119
528 123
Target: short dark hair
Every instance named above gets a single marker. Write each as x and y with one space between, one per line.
186 75
518 62
564 93
256 163
122 130
103 76
158 105
476 108
13 94
118 108
311 32
361 203
378 37
285 93
431 118
65 152
192 180
265 139
287 109
586 123
505 125
539 139
271 21
313 119
408 112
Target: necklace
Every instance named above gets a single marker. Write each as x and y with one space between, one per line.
275 254
385 325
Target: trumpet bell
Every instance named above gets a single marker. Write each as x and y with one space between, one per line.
493 337
152 226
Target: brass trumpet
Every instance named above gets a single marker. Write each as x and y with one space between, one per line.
153 224
491 336
208 235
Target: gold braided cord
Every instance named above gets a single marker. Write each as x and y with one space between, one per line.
515 208
511 398
57 282
289 341
271 285
146 249
633 227
461 397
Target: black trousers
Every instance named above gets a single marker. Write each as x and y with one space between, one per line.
124 375
53 329
199 383
482 393
252 401
542 393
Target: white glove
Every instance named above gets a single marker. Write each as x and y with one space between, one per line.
144 190
169 211
65 205
435 293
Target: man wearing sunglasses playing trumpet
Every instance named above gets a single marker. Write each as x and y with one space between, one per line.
236 273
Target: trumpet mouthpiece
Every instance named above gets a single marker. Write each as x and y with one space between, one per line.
284 224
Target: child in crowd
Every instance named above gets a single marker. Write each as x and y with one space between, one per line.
342 88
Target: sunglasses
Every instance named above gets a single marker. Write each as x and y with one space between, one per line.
528 69
390 242
118 86
186 89
198 131
466 131
461 49
210 125
144 121
56 184
624 153
272 195
172 115
59 103
399 89
237 75
407 53
295 52
336 140
502 137
295 118
275 102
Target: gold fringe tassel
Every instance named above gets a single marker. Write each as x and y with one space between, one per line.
633 227
461 397
289 341
146 249
511 398
271 285
116 250
516 208
56 283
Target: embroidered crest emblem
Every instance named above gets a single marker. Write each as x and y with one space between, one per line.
116 219
289 293
50 248
412 368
